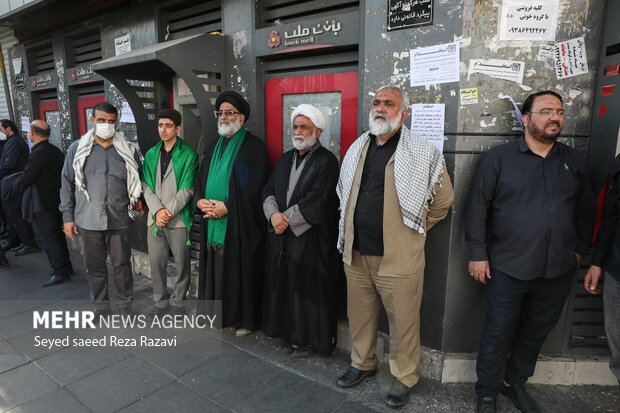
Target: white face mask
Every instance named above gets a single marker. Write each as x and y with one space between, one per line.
2 136
104 130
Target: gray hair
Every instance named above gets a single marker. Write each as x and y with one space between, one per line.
404 103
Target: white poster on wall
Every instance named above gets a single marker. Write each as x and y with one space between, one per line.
435 64
122 44
570 58
511 70
127 114
427 120
534 20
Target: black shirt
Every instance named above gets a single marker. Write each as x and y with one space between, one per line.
530 214
164 159
607 253
368 219
44 168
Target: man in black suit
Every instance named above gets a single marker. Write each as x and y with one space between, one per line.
14 156
42 172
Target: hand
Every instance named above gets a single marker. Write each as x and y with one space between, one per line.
591 282
138 206
218 209
162 217
579 260
480 270
203 204
70 229
279 221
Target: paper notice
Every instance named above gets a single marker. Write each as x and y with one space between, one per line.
25 124
570 58
427 120
435 64
528 20
511 70
17 65
469 96
122 44
127 114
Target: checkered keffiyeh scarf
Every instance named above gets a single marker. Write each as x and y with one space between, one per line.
418 166
124 149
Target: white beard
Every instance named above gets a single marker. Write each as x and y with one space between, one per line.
306 144
228 128
380 127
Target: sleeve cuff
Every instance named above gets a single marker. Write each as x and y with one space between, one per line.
478 254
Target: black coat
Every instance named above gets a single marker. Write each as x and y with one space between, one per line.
607 253
44 168
14 155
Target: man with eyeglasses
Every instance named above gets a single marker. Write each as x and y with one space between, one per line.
529 223
168 183
228 193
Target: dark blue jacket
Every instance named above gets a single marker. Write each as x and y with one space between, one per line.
14 156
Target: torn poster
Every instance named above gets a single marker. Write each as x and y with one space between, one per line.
570 58
427 120
533 20
511 70
469 96
435 64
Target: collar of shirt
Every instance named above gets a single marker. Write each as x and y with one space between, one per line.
524 148
392 141
163 149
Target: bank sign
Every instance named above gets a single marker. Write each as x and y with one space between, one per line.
337 30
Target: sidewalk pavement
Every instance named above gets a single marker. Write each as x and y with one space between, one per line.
230 374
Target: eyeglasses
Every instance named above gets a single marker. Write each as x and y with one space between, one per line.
228 113
549 112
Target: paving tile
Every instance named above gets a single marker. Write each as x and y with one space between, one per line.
22 384
353 407
20 323
59 401
171 398
30 344
70 364
248 384
9 357
119 385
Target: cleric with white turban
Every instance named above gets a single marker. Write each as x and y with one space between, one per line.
312 113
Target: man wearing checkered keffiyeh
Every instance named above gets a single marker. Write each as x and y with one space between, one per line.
391 182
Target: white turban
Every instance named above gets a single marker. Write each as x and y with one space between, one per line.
312 113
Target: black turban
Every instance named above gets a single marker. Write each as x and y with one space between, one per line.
234 99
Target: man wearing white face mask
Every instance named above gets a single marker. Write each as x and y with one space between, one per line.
100 183
301 206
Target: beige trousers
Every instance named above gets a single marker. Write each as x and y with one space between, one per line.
401 297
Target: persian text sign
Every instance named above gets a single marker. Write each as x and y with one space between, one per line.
528 20
570 58
409 13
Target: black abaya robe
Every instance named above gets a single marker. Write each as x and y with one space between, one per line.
236 276
302 272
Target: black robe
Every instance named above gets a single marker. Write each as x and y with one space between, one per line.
236 276
302 273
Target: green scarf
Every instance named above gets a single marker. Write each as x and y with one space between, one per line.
184 164
217 184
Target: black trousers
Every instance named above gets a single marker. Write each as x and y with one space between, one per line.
54 243
18 226
97 246
520 314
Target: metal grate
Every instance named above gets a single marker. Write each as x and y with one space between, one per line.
191 17
587 328
272 12
40 58
83 49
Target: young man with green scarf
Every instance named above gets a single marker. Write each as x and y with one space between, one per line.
228 194
168 176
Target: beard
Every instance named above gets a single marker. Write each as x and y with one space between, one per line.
379 126
228 127
540 134
307 142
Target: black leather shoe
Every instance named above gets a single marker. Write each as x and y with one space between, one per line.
126 311
156 312
12 245
4 263
56 279
398 394
486 405
26 251
354 376
519 397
